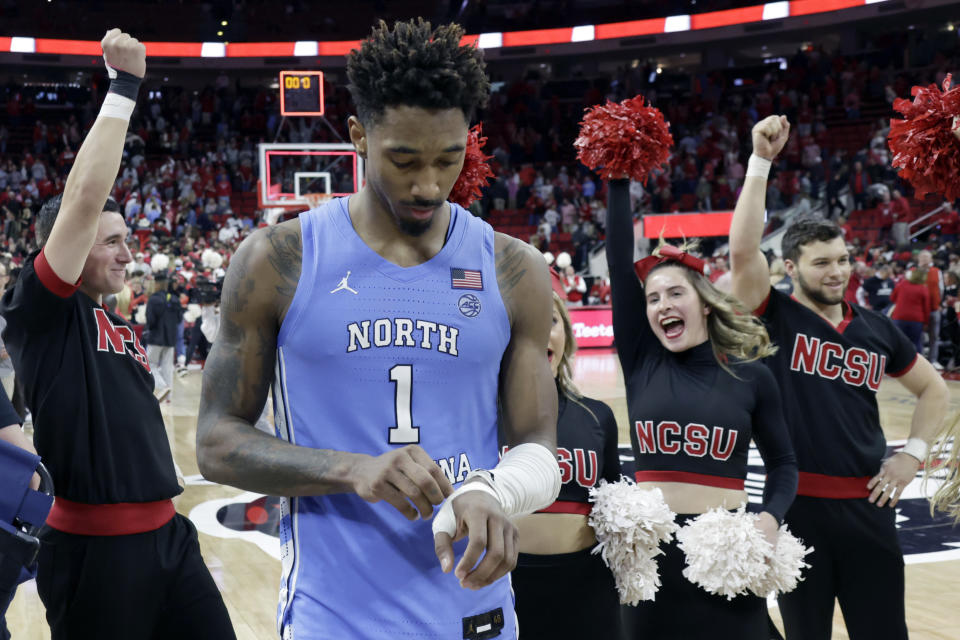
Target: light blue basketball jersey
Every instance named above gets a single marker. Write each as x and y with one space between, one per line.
371 357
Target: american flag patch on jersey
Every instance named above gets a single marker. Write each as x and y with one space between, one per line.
466 279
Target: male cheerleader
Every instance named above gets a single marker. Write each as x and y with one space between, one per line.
831 360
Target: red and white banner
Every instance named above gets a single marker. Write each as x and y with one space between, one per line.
592 326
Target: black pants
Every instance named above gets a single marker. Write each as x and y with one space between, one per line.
684 611
6 597
856 559
570 595
146 586
198 344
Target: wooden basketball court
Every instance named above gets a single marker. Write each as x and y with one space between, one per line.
248 576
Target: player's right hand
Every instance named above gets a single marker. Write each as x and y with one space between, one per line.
123 51
770 135
407 478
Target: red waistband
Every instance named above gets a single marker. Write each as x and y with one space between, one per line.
568 506
689 478
118 519
816 485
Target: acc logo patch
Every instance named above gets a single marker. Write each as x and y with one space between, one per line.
469 305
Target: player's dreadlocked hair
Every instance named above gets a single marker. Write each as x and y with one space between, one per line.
416 65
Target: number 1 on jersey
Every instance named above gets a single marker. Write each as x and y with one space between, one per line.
404 432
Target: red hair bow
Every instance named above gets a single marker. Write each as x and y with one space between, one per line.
667 253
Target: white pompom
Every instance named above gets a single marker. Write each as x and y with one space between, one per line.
725 552
211 259
563 260
140 315
192 312
548 257
785 565
630 523
159 262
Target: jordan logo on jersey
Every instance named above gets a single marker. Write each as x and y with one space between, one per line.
118 339
402 332
830 360
694 440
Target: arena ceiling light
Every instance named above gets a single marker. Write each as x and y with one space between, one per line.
677 23
490 40
213 50
584 33
776 10
23 45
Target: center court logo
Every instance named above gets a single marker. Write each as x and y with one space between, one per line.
255 518
469 305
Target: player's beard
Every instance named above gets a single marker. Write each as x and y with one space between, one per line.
414 228
818 295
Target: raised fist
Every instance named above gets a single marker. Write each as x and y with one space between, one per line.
123 51
770 135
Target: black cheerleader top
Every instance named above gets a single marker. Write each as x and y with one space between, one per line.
586 451
691 420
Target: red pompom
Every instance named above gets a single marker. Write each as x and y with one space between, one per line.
924 144
628 138
475 173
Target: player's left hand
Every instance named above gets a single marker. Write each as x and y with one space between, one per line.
896 473
490 533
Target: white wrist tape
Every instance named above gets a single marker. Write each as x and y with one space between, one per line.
117 106
917 448
527 479
758 167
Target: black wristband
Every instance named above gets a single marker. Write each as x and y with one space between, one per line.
125 84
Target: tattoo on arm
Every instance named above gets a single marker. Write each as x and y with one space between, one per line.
510 269
286 258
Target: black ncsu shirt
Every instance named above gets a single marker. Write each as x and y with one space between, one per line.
690 419
830 377
88 384
586 450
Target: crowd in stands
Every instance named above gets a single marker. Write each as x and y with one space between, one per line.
190 167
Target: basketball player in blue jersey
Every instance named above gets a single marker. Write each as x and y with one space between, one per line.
390 324
831 359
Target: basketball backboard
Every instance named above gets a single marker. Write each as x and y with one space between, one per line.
290 173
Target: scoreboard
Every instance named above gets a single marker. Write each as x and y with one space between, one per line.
301 93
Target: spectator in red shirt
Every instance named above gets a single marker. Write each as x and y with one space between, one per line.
859 181
901 206
911 300
599 292
856 279
885 211
719 268
934 283
949 222
575 286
